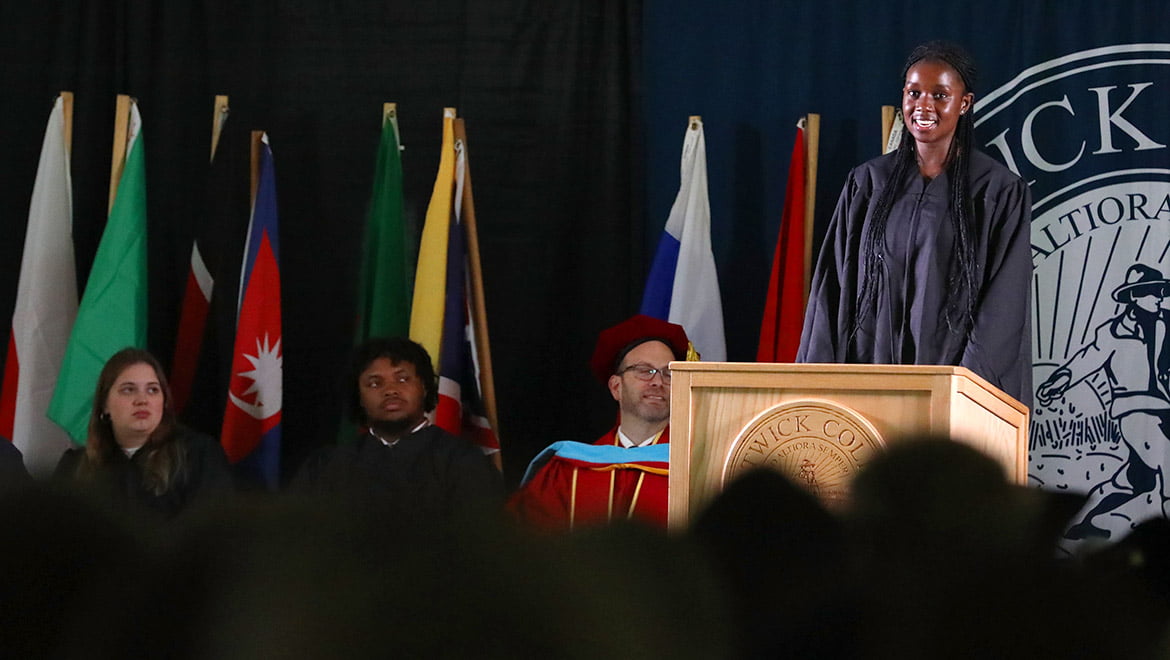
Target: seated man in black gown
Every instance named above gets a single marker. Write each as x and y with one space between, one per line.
403 465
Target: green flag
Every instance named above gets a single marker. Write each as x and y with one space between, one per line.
112 314
383 304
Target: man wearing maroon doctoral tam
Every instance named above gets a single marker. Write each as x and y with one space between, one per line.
622 476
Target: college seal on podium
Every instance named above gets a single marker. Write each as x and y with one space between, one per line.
817 444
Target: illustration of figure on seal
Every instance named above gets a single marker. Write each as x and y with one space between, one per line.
1131 349
808 473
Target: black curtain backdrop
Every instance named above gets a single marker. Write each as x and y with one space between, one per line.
547 91
575 112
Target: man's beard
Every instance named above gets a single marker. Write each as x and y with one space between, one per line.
393 427
654 415
649 413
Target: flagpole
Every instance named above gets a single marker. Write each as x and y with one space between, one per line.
390 111
257 139
67 109
218 117
121 137
476 295
812 138
887 125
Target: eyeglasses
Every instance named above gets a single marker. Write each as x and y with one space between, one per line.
647 372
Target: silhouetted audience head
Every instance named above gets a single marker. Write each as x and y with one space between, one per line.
937 556
938 490
783 555
1141 558
295 577
64 560
954 561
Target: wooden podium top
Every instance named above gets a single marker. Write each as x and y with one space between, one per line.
815 370
821 423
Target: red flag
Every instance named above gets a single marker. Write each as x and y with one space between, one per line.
784 306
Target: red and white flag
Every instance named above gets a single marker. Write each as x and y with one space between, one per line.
192 322
46 306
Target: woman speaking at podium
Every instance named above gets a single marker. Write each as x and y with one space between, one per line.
927 257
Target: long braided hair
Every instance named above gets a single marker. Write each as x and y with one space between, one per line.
963 276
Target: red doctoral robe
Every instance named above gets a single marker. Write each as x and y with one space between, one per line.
569 493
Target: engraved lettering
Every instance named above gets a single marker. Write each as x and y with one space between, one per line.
847 437
758 445
815 444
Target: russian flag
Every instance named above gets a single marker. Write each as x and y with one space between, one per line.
251 422
683 286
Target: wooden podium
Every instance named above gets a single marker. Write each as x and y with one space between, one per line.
819 423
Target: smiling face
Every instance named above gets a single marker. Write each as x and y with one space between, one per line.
933 99
392 395
648 401
135 405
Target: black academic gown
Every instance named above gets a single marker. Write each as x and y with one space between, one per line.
427 477
206 476
908 326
